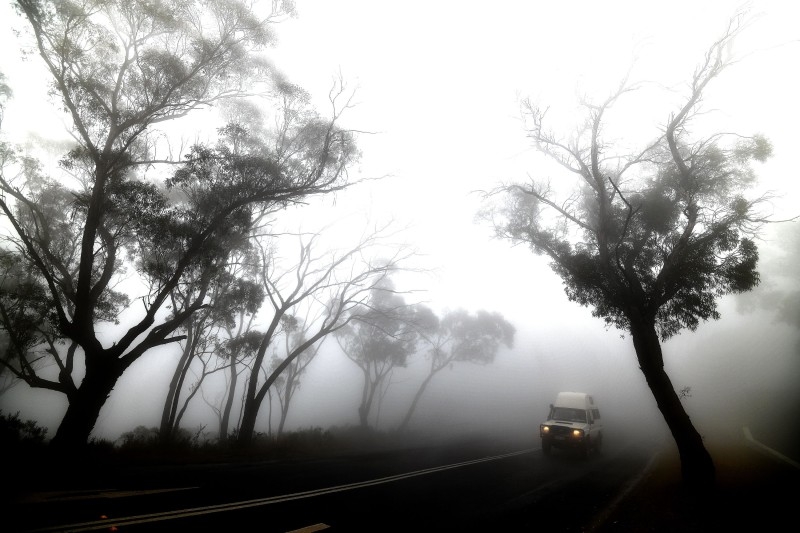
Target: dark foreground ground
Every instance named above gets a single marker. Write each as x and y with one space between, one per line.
756 491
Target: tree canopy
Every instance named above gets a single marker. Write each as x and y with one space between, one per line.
457 337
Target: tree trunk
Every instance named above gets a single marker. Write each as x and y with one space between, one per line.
697 467
168 425
85 403
282 421
226 413
285 404
252 405
179 416
404 424
363 419
248 424
366 400
254 399
269 417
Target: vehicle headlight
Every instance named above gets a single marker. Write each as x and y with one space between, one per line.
545 429
577 433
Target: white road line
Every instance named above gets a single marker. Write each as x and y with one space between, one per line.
749 437
78 495
602 517
310 529
209 509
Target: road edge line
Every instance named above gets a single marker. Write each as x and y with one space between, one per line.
766 449
602 517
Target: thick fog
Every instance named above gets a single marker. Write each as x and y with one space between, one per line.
741 371
438 91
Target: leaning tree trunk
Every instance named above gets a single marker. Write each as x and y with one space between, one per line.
407 419
86 401
697 468
248 424
367 394
252 404
226 413
168 423
287 398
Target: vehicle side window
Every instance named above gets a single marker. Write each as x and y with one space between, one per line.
596 414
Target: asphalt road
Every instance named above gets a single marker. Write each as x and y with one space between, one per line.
466 487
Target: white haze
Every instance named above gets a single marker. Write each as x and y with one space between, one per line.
439 85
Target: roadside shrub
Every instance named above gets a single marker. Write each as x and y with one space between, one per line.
139 437
304 441
15 432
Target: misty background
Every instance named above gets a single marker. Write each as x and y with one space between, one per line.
438 87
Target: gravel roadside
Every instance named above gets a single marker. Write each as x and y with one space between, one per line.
755 491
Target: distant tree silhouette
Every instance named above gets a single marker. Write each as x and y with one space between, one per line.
236 350
381 339
295 333
458 337
335 284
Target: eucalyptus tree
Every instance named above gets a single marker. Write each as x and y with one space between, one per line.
240 345
295 333
381 339
234 301
197 329
233 354
459 337
119 69
649 239
334 284
170 430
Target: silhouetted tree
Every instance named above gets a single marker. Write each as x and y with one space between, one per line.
380 340
237 348
119 68
458 337
197 329
232 300
338 282
650 251
294 334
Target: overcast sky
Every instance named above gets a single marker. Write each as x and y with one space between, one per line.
439 85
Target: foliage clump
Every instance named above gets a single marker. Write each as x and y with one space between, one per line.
16 432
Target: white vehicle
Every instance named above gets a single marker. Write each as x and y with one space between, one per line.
573 423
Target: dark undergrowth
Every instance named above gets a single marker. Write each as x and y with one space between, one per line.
33 462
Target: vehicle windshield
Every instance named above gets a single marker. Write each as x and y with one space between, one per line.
568 414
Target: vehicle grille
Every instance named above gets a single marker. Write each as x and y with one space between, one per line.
560 431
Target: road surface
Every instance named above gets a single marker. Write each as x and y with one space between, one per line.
467 487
